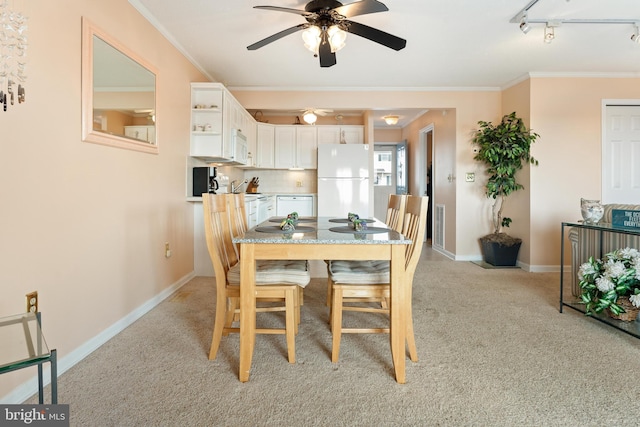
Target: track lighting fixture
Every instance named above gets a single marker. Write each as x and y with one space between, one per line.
636 33
549 33
524 23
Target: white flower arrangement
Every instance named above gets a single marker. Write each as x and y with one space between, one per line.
604 281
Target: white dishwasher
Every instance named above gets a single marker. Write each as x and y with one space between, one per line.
301 204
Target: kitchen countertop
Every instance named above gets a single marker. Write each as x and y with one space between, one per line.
253 195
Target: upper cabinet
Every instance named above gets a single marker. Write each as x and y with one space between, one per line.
344 134
296 147
265 146
221 130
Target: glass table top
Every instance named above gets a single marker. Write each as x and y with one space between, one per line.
21 341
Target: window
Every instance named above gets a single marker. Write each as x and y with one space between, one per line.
382 164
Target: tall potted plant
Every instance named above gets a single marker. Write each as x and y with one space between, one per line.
504 149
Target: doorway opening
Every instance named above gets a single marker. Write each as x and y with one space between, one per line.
427 172
384 177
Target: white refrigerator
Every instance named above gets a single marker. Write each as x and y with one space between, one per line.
343 180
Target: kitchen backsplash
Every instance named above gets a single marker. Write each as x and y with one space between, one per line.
277 180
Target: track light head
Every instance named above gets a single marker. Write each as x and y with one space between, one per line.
635 37
524 24
549 33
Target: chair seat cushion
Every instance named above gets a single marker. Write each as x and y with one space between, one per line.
271 272
359 272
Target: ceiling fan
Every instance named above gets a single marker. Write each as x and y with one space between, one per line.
327 25
310 115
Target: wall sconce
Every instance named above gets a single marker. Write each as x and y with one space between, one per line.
13 45
391 120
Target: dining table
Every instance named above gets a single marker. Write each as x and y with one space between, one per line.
324 238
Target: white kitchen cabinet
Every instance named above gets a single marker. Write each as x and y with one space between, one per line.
306 147
142 133
215 117
265 146
285 147
350 134
295 147
251 209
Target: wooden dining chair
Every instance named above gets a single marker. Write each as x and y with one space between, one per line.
357 281
275 280
395 211
394 220
239 225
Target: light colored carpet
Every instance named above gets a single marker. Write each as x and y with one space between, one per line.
494 351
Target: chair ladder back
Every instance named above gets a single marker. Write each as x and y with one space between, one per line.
237 216
215 217
415 219
395 212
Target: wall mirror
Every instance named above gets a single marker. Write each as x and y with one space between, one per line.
118 94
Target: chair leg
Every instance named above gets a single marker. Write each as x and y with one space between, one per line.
218 327
336 322
291 301
411 339
329 291
296 311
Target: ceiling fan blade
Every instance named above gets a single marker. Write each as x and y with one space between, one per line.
276 36
327 58
286 9
375 35
361 8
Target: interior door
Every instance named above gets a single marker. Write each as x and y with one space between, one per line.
621 154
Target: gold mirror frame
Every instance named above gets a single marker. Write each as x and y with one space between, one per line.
89 134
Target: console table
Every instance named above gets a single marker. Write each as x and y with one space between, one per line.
22 345
631 328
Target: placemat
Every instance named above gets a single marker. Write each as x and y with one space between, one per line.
346 220
277 230
369 230
300 219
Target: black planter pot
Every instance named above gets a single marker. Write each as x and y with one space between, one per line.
498 254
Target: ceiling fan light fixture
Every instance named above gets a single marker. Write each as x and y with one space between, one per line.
391 120
309 117
311 38
337 38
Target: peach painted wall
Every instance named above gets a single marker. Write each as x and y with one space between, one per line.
518 204
85 224
387 135
567 113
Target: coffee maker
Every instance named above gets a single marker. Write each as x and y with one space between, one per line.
204 180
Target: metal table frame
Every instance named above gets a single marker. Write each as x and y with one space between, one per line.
37 355
631 328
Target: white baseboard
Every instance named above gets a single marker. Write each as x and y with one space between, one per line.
30 387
